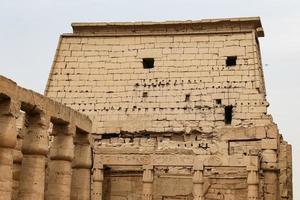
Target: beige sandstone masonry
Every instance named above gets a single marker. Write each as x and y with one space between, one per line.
178 109
25 117
98 70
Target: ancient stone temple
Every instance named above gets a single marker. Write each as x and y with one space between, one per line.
176 110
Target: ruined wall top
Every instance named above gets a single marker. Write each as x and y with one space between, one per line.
170 27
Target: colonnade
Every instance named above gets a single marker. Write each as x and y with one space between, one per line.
30 167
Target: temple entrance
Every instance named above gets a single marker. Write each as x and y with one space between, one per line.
122 183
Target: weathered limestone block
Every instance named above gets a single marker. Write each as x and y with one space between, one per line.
60 164
269 144
8 139
34 149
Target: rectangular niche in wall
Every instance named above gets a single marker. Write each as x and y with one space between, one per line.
231 61
148 63
228 114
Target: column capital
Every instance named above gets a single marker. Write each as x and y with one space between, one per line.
9 110
98 175
64 129
63 145
252 163
10 107
269 160
148 174
36 140
150 167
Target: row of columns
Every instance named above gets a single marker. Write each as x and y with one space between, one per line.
69 161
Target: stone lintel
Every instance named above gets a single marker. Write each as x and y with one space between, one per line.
167 160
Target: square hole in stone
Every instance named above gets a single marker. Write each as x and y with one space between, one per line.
187 97
219 101
145 94
231 61
148 63
228 114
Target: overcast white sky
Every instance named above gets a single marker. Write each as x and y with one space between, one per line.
30 30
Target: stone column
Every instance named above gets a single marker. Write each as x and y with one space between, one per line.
97 185
270 168
8 139
34 149
253 183
82 163
198 182
18 156
252 166
60 164
147 182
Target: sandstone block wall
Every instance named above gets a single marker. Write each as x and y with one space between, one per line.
101 74
192 126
